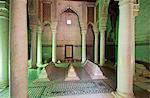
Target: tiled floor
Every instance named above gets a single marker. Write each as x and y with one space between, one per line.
56 75
46 89
111 74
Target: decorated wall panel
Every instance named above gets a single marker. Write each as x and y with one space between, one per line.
90 14
142 32
46 12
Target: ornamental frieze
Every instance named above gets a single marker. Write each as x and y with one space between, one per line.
4 9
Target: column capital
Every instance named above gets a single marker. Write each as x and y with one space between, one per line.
4 7
54 25
133 3
33 19
4 84
96 34
102 29
103 20
39 29
122 2
33 26
25 1
96 31
82 25
4 4
83 31
54 31
125 0
136 8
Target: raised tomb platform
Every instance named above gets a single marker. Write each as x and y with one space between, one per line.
71 74
43 74
93 70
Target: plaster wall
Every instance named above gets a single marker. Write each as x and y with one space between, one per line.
66 34
142 32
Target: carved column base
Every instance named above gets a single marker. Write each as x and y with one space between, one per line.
118 94
3 84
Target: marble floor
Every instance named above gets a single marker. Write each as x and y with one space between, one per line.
139 92
52 84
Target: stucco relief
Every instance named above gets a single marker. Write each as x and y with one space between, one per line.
68 33
64 5
47 35
4 9
32 6
104 15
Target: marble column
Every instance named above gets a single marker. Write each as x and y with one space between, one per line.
39 46
96 47
102 46
54 46
33 47
125 50
4 44
83 46
135 13
18 50
133 40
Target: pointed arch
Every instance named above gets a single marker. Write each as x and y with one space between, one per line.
90 41
66 36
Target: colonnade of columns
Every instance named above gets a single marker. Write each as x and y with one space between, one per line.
36 46
38 32
19 51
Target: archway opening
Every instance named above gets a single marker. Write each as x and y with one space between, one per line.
90 43
68 34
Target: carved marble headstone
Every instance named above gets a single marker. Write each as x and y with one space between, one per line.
93 70
43 73
71 74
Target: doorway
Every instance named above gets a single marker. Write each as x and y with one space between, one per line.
68 51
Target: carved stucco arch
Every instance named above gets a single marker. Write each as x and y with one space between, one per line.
74 10
104 14
90 23
95 29
69 7
47 24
